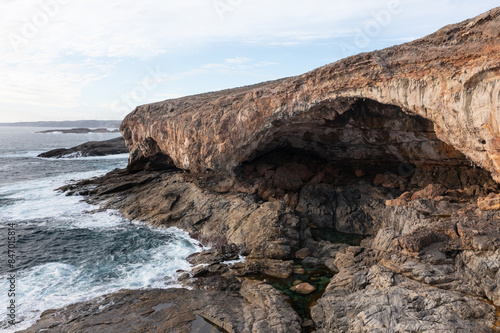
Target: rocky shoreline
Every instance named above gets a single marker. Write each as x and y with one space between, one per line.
429 262
349 191
80 130
92 148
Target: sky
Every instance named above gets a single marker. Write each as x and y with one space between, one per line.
75 60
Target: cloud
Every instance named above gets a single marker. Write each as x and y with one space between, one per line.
50 50
238 60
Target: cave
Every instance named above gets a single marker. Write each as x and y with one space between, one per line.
370 144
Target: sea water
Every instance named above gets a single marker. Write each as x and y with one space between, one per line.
64 253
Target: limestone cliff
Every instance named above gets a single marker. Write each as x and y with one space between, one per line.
450 78
354 181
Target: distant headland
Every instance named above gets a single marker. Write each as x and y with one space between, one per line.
80 130
68 123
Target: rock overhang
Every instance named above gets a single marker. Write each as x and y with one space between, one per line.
447 84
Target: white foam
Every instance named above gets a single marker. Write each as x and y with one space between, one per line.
78 156
72 155
37 200
23 154
241 259
55 285
54 132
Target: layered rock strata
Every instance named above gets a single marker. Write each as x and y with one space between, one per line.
451 78
378 145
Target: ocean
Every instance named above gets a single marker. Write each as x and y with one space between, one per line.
63 253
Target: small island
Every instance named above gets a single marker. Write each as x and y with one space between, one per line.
80 131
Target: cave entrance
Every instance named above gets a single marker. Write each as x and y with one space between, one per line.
366 140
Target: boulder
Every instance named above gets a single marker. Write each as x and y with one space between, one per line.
303 288
302 253
430 192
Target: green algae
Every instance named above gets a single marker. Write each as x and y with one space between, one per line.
318 277
336 237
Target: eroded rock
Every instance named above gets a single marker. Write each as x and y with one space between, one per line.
449 78
93 148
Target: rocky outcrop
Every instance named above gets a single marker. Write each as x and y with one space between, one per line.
407 103
361 168
264 229
80 130
176 310
92 148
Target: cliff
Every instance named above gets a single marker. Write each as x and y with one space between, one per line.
450 78
353 192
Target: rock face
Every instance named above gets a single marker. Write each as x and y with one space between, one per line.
93 148
361 168
405 103
176 310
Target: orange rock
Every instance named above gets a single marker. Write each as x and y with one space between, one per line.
400 201
491 202
430 192
303 288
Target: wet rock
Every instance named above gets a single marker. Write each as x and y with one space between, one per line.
176 310
215 255
299 270
302 253
310 262
93 148
303 288
167 199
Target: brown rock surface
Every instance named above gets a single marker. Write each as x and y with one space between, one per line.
271 169
303 288
92 148
430 192
266 229
175 310
450 78
491 202
302 253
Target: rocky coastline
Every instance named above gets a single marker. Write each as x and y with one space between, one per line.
362 197
80 130
92 148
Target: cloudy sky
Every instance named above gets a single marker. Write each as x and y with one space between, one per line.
69 59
